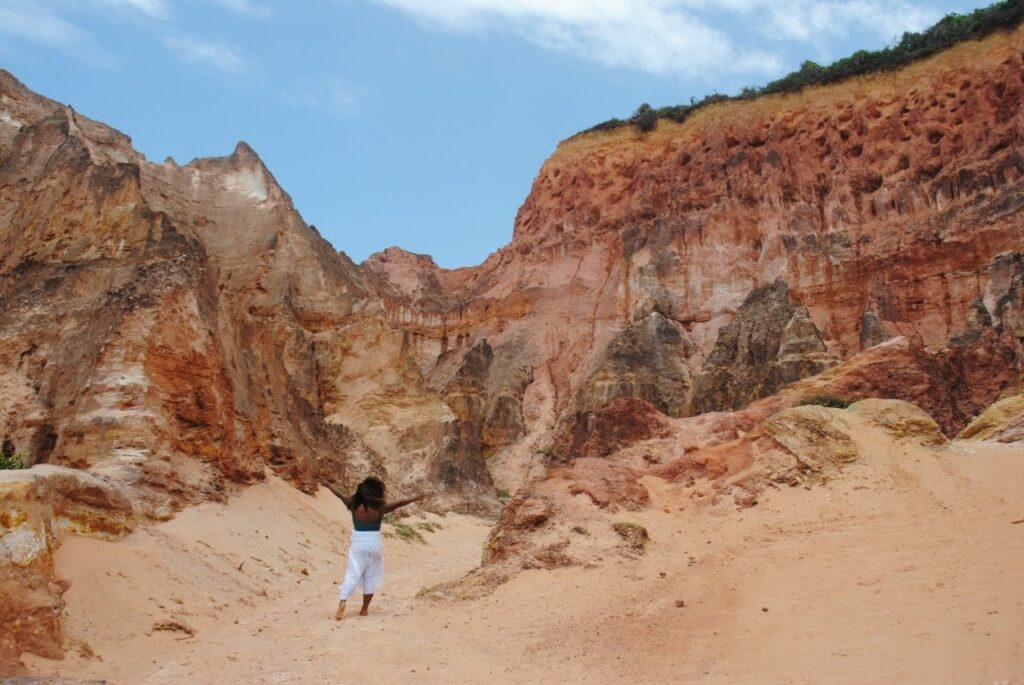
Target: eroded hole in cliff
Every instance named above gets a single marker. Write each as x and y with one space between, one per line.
45 443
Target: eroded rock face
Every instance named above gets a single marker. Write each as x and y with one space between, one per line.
1003 298
933 379
131 341
769 344
459 463
646 360
599 433
176 327
37 507
872 331
179 325
854 195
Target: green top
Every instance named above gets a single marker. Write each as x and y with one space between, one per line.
366 525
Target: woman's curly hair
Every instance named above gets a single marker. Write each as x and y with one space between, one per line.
369 494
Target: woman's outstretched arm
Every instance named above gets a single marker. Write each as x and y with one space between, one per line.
391 506
340 495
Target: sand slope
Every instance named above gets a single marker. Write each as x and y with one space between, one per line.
907 569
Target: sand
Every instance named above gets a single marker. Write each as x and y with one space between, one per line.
906 569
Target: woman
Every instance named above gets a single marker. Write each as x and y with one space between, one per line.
365 553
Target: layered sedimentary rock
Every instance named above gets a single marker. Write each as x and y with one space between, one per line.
769 344
157 314
36 508
176 325
173 328
647 360
142 345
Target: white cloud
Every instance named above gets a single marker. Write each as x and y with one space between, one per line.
651 35
671 36
35 23
248 7
219 56
157 9
331 93
814 21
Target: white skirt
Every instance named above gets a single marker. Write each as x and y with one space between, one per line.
365 564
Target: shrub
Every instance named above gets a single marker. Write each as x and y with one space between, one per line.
608 125
12 462
502 493
831 401
645 118
950 30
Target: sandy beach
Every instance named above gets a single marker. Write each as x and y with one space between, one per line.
906 569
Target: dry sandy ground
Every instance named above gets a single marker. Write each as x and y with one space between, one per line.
908 569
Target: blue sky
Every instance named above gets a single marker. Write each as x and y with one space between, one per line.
418 123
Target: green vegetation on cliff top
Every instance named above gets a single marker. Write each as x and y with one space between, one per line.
952 29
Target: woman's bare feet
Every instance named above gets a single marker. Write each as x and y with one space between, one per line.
340 614
366 605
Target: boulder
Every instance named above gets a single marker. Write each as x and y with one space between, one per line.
901 420
818 437
1003 421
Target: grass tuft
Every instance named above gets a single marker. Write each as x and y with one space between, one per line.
400 530
12 462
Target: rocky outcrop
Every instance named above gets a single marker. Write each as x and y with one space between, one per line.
131 342
548 524
951 385
623 422
37 507
537 528
1003 299
769 344
818 437
823 439
646 360
505 424
607 484
1003 421
902 421
459 464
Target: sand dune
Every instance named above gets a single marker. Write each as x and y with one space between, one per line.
906 569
